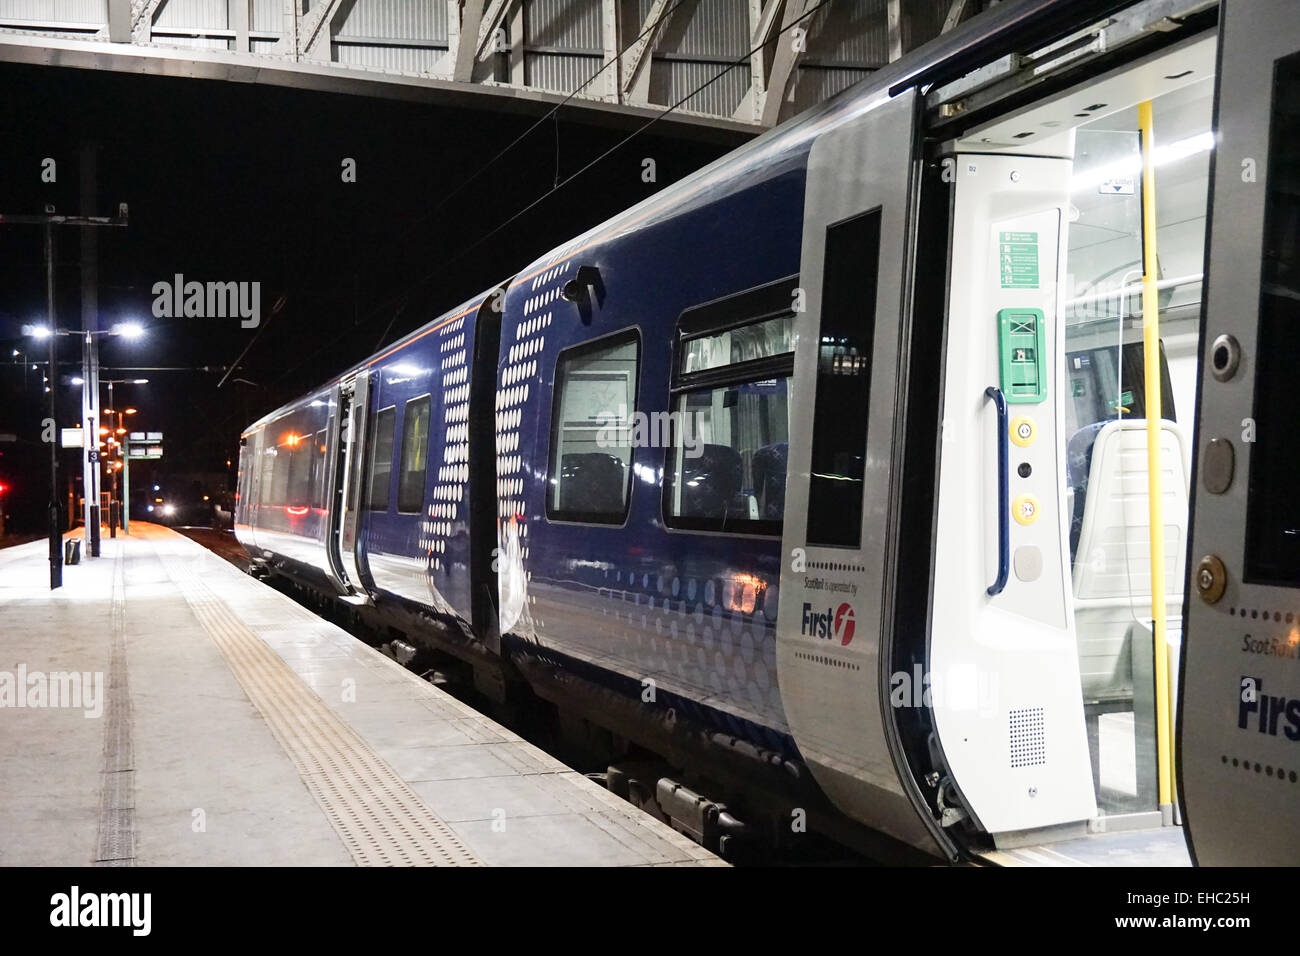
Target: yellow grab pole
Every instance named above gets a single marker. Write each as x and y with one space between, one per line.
1155 493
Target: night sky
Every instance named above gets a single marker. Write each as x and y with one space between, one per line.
233 182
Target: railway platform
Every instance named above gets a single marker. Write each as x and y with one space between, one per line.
163 708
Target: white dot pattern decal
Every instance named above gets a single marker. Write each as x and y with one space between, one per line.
443 514
519 380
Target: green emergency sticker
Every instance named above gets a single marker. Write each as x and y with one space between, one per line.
1018 259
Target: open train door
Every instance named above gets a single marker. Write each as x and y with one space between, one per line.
349 481
840 516
1239 700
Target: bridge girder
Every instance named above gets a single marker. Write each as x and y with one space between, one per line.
767 59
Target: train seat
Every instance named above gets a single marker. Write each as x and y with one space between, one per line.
1112 577
591 482
712 484
769 466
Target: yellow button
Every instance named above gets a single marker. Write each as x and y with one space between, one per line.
1025 509
1023 431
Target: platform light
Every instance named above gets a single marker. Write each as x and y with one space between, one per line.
77 380
169 510
36 331
129 330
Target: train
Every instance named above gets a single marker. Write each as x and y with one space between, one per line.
814 494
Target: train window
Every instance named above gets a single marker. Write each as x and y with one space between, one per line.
728 427
1272 505
763 339
281 469
591 430
381 459
415 456
301 462
1108 382
319 449
848 323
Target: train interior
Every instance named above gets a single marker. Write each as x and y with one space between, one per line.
1048 720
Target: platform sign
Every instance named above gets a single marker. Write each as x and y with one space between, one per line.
144 445
71 438
1120 185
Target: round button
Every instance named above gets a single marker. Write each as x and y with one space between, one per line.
1025 509
1211 578
1023 431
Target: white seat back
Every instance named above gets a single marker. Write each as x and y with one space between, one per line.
1112 568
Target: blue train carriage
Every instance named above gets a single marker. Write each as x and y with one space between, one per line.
642 430
284 483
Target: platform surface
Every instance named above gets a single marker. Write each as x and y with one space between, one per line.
1154 846
163 708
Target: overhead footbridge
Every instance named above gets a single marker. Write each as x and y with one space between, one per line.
730 67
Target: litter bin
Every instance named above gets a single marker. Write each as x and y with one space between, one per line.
72 551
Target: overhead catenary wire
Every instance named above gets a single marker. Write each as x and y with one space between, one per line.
472 178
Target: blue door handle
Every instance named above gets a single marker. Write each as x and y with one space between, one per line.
1004 508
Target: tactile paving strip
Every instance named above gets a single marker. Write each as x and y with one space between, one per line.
379 818
115 845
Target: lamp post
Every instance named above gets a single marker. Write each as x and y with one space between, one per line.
122 512
49 220
88 380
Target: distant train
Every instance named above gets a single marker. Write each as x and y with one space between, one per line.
820 483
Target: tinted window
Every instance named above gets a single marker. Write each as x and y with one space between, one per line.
592 430
848 323
318 479
725 468
1273 505
381 459
301 462
415 456
747 343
